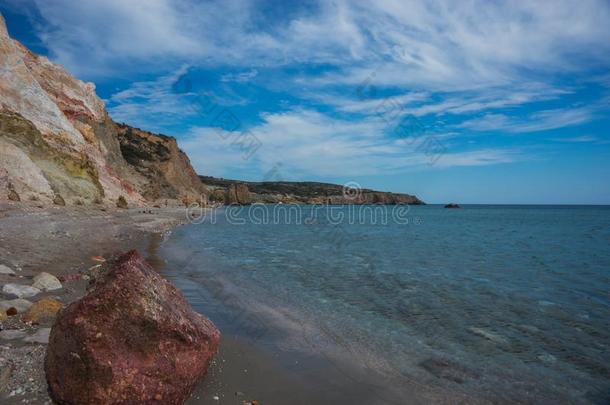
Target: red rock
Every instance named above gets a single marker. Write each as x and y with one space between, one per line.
132 339
12 311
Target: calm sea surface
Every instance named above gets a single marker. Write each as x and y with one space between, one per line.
505 303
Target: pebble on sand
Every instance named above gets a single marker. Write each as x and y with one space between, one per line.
44 309
41 336
20 291
46 282
11 334
19 304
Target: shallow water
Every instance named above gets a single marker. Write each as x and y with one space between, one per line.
504 303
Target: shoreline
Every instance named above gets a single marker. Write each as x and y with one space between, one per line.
62 241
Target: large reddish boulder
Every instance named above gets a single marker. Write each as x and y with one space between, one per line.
132 339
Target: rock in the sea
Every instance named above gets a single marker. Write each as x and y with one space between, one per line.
44 309
20 291
46 282
19 304
452 205
132 338
6 270
238 194
41 336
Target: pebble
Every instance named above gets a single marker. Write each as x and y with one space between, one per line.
20 291
46 282
6 270
19 304
41 336
11 334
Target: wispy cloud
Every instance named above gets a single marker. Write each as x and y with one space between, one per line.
534 122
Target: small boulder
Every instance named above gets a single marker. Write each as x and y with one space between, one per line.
19 304
3 316
133 338
6 270
12 334
41 336
20 291
121 202
45 309
46 282
12 311
59 200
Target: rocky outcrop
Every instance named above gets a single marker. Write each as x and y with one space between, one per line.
238 193
166 169
272 192
58 144
452 205
132 339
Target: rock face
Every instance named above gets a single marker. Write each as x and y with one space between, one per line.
238 193
58 144
166 169
132 339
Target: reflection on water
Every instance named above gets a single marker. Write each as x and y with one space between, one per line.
506 303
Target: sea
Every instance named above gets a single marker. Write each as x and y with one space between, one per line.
499 303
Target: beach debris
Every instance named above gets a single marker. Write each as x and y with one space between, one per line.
44 309
41 336
6 270
151 323
98 259
121 202
19 304
20 291
12 334
46 282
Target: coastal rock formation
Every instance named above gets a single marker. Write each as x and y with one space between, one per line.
58 144
238 193
132 339
273 192
452 205
166 169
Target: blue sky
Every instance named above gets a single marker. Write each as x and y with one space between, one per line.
471 102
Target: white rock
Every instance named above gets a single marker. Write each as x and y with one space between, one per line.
19 304
5 270
41 336
10 334
21 291
46 282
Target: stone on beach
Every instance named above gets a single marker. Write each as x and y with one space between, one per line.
12 334
3 316
20 291
46 282
19 304
6 270
133 338
44 309
40 336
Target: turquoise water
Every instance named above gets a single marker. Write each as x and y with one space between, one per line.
505 303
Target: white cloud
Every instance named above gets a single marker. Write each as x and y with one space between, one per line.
534 122
309 143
